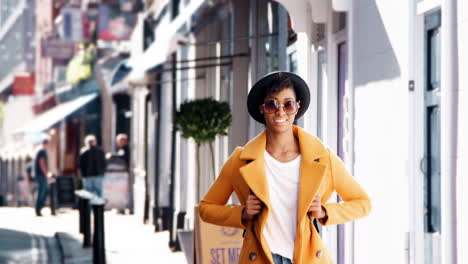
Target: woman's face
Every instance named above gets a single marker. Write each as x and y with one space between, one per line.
282 119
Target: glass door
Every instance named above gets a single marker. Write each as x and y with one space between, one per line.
431 162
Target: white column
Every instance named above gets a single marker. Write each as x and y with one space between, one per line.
190 200
449 127
303 49
138 148
238 132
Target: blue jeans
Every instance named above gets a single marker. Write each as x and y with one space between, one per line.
93 184
41 193
278 259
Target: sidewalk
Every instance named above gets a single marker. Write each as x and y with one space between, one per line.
127 240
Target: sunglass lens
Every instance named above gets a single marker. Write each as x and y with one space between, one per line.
290 107
270 106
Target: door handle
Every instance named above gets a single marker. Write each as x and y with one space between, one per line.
422 165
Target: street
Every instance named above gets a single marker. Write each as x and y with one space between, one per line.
25 238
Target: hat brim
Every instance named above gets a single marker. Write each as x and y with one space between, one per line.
257 94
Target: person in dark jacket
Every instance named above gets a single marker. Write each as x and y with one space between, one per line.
92 164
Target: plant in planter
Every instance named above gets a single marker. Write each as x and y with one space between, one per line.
202 120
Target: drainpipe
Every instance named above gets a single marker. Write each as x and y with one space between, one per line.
449 130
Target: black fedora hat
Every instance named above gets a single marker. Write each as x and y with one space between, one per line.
258 93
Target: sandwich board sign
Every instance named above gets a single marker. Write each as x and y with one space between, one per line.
216 244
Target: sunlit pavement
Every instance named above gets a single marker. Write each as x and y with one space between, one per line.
25 238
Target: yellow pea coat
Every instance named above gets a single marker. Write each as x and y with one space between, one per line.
321 172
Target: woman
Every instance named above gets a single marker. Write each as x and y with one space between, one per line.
283 179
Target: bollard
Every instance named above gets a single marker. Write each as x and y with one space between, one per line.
86 223
52 196
80 215
84 208
99 249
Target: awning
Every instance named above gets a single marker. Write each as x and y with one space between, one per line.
55 115
71 92
118 82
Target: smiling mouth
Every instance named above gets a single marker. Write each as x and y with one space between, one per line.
280 121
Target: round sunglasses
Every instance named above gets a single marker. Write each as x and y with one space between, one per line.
271 106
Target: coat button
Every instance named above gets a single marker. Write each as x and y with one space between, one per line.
319 253
252 256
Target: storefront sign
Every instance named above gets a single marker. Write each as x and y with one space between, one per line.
58 49
115 186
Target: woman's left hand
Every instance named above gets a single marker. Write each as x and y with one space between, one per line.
316 209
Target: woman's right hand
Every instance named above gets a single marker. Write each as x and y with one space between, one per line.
253 206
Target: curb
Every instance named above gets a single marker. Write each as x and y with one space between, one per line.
71 249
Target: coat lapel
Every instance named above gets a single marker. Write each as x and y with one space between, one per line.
311 177
254 171
312 171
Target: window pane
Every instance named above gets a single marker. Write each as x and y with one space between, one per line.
432 169
434 59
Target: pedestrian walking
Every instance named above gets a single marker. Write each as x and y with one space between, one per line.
42 176
283 179
92 164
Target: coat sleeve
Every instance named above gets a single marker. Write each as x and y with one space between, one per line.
213 208
356 203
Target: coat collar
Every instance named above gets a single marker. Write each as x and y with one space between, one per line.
311 147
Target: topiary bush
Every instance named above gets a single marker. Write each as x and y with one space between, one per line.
203 120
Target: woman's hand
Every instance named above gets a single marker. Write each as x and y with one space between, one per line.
316 208
253 206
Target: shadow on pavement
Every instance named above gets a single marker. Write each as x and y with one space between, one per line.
22 247
71 249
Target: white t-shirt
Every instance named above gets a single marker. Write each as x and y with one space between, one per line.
283 185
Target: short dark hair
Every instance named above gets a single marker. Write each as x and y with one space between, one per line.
278 84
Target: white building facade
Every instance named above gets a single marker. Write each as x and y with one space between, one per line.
389 101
